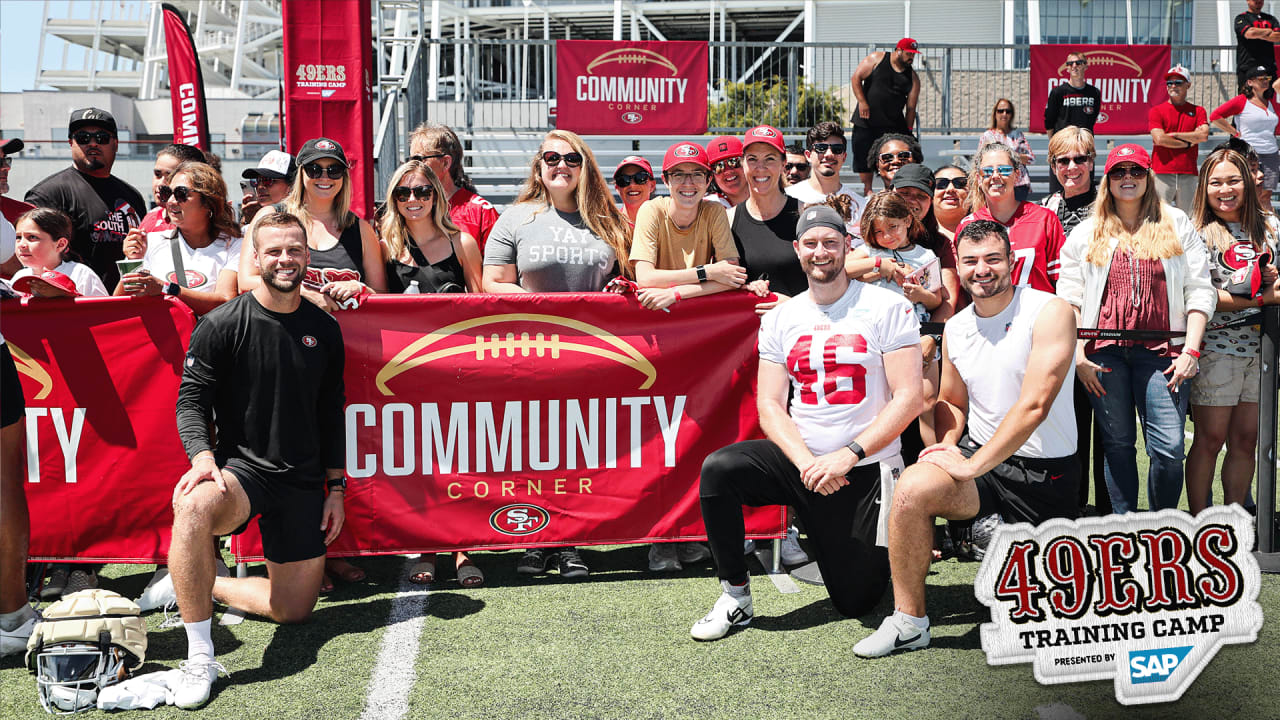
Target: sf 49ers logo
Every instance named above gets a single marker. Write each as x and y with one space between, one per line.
195 278
520 519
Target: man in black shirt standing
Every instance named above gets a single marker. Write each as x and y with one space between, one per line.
1074 102
886 87
267 368
1256 36
102 207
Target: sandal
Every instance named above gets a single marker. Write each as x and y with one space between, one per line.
423 572
469 576
343 570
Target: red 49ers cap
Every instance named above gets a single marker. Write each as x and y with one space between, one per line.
58 280
765 134
908 45
1129 152
637 161
725 146
685 152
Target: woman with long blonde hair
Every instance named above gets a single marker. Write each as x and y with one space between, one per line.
1138 264
1224 395
421 246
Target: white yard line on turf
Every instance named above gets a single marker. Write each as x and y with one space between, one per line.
395 672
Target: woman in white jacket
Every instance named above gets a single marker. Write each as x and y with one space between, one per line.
1138 264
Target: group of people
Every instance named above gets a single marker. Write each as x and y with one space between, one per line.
875 424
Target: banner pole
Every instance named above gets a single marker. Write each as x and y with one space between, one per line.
1268 558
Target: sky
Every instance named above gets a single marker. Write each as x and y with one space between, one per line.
20 24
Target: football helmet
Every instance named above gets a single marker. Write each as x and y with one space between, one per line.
85 642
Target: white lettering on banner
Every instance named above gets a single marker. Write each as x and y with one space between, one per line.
68 439
187 106
630 89
406 439
1113 90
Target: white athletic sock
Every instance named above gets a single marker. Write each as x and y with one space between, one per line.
737 590
14 620
200 639
920 622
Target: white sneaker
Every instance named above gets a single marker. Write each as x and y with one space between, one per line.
792 553
895 633
14 641
662 558
158 592
192 689
728 612
692 552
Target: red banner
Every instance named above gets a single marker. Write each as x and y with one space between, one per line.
186 82
472 421
328 58
605 87
1130 78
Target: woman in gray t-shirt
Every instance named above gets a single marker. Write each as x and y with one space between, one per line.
563 234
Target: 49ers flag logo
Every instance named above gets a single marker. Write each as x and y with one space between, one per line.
1145 599
628 88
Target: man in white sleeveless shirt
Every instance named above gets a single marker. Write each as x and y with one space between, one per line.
1007 368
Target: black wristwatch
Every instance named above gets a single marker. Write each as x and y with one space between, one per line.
702 273
173 289
338 483
858 452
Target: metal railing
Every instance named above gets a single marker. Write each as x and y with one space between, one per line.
494 85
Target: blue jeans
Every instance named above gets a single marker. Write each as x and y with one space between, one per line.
1137 380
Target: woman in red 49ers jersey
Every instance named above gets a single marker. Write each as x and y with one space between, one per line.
1224 396
1034 232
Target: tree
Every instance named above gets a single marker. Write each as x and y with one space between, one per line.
767 102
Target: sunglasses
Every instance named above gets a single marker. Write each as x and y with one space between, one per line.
1137 172
84 137
263 181
676 178
552 159
1175 83
903 155
1004 111
315 170
799 166
424 158
1074 63
835 148
1001 170
181 193
422 192
942 183
8 162
639 177
1066 160
728 163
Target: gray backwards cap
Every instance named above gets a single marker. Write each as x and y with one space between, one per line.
820 216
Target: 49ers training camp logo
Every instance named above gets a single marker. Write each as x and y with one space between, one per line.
520 519
1145 599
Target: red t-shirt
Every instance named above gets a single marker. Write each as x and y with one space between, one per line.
473 215
1037 239
154 221
13 209
1175 118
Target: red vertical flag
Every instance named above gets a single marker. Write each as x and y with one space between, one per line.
186 83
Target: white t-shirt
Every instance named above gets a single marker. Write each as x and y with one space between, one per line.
834 355
916 257
87 282
1240 341
202 266
805 193
991 356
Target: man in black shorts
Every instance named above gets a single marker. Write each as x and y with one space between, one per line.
851 353
17 618
268 368
1007 365
886 86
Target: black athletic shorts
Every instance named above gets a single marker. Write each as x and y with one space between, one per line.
1024 489
290 512
12 405
860 144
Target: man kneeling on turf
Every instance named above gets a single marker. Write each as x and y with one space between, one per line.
852 353
1007 362
267 368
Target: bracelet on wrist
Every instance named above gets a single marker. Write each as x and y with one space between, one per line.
679 297
1192 352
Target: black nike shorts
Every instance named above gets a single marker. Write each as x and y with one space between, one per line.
1024 489
288 510
12 405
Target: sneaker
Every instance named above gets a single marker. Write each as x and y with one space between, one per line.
533 562
895 633
663 558
81 580
748 546
692 552
728 612
570 564
159 591
192 689
14 641
792 553
52 589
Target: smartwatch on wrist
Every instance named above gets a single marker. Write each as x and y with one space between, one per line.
338 483
702 273
858 452
172 288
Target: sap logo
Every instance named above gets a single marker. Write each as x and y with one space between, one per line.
520 519
1150 666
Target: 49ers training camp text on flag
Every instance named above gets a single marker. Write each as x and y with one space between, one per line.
472 421
605 87
1129 77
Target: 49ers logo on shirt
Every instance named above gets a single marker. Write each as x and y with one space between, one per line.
323 276
1237 256
309 341
519 519
195 278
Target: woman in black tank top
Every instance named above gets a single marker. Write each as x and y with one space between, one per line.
422 247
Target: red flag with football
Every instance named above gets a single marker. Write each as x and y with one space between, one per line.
628 88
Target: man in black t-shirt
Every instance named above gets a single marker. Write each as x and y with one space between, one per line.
1256 36
267 369
1074 102
102 207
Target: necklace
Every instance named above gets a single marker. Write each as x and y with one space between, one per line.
1135 281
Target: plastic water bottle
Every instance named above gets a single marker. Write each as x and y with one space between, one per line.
413 288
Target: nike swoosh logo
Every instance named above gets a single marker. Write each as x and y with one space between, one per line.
737 616
1055 477
899 642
